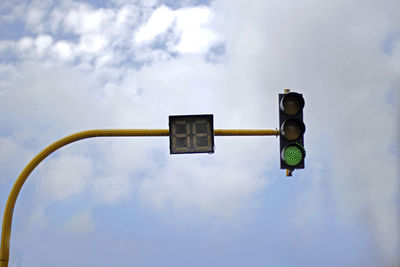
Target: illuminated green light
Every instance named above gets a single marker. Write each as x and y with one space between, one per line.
292 155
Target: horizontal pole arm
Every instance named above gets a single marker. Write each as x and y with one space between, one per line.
241 132
165 132
8 211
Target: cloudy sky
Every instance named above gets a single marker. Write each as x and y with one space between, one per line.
67 66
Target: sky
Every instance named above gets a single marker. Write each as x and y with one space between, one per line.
68 66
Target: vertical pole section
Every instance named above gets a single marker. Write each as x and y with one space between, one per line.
8 211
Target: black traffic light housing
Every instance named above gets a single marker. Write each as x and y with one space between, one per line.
291 131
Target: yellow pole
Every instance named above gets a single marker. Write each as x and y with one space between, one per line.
245 132
12 198
8 212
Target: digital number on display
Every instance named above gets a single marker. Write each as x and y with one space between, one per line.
191 134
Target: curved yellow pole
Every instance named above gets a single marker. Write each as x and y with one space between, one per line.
12 198
8 212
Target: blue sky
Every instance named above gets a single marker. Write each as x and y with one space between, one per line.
67 66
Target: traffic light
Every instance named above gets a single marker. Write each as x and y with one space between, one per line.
291 131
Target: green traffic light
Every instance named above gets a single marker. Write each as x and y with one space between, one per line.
293 154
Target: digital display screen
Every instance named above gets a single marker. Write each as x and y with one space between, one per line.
191 134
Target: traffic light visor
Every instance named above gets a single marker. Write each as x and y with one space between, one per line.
292 103
292 129
293 154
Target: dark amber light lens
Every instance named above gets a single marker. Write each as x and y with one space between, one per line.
292 103
292 129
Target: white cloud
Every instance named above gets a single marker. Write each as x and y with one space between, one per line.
65 176
111 189
38 218
126 15
56 17
35 14
92 43
190 29
16 12
195 34
160 20
192 188
34 17
10 149
43 42
96 33
83 19
108 33
25 43
219 186
13 155
80 223
64 50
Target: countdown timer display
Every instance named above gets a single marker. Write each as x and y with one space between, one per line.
191 134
